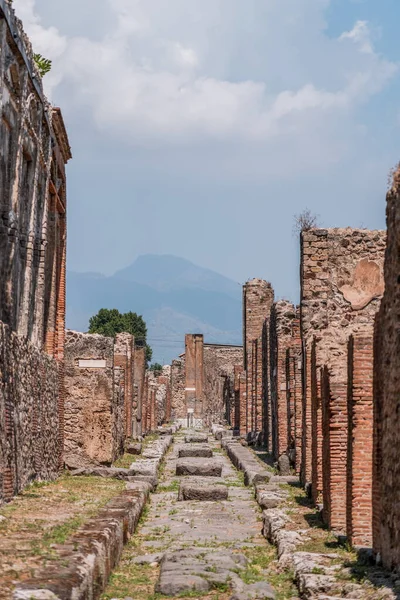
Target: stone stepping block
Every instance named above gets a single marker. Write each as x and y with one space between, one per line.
203 493
195 451
198 467
196 438
133 448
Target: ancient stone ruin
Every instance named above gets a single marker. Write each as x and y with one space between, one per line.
285 479
34 149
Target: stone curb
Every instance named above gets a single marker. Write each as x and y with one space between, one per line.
95 549
243 460
314 574
91 554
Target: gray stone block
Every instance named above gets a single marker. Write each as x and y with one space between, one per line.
188 491
195 451
198 467
196 438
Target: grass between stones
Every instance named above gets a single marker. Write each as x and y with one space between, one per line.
130 580
43 515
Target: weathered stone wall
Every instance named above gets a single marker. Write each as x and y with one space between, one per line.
386 488
341 287
34 149
258 297
29 416
219 382
178 401
94 407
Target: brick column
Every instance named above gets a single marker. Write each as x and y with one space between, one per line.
306 465
334 425
316 427
194 369
243 403
360 441
258 297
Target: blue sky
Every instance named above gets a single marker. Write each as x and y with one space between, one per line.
200 127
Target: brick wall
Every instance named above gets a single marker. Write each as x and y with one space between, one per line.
258 297
386 487
341 287
34 149
282 321
94 407
360 441
194 373
139 371
124 360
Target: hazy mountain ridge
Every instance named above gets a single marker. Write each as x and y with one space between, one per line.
173 295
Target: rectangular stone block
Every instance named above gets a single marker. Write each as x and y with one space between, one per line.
202 493
195 452
196 438
198 467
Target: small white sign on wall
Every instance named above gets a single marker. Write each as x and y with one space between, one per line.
92 363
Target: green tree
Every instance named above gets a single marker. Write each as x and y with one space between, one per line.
156 367
109 322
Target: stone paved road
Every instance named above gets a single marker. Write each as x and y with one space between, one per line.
189 533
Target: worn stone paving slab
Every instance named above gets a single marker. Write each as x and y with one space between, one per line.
196 530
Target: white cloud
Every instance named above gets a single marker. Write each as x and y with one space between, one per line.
361 35
185 70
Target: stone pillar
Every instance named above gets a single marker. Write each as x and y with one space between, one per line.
360 441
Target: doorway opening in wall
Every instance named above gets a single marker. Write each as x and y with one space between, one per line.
190 417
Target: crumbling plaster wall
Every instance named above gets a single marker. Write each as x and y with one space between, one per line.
178 400
219 381
94 406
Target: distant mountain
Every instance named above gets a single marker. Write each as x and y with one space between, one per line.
166 272
173 295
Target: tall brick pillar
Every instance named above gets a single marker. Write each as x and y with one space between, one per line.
296 387
139 373
306 465
238 370
194 369
316 426
360 441
334 448
258 297
283 316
